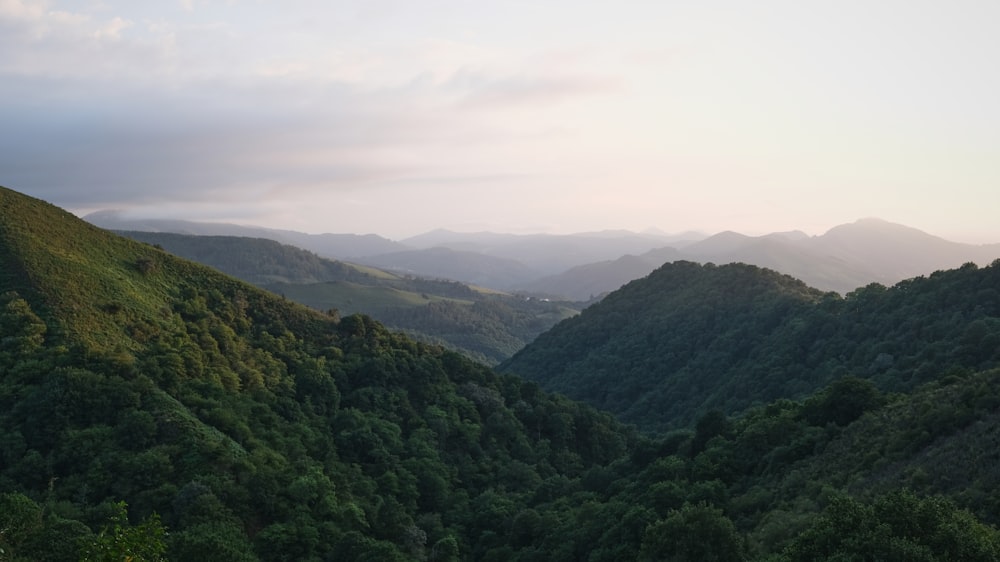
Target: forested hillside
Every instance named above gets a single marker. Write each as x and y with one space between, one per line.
152 408
485 325
690 338
256 260
254 426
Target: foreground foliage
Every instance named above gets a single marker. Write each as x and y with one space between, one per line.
240 426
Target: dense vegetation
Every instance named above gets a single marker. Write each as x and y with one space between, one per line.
485 325
256 260
151 408
689 338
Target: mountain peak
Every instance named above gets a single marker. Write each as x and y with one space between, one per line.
869 225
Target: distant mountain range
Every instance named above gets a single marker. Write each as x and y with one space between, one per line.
843 259
337 246
486 325
154 408
690 338
586 265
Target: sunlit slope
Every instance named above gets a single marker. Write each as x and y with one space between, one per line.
484 324
97 287
258 429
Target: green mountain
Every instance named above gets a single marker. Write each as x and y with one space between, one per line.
844 258
690 338
488 326
256 260
330 245
152 408
254 426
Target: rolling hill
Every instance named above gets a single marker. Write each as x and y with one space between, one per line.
843 259
548 254
152 408
333 246
255 427
486 325
460 265
690 338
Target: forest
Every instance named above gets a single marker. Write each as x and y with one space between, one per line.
155 409
486 325
691 338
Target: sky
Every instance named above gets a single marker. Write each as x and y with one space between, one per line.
396 117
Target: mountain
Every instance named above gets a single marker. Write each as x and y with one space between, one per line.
690 338
255 427
579 266
896 252
796 257
845 258
485 325
152 408
586 282
548 254
460 265
256 260
336 246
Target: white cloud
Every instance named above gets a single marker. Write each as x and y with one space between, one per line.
112 29
22 10
650 109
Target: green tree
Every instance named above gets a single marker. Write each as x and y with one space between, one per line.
20 519
843 401
119 541
899 526
693 533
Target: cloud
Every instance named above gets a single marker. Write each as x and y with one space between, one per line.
489 93
112 30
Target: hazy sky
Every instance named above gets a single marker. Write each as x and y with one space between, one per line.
399 116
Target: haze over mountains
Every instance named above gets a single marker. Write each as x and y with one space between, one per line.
582 266
484 324
806 426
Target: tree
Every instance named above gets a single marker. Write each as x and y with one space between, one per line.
843 402
899 526
710 425
20 518
693 533
119 541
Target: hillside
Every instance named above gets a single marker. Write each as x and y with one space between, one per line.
329 245
254 426
547 254
485 325
690 338
593 280
256 260
460 265
843 259
152 408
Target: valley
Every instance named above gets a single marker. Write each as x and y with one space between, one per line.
153 407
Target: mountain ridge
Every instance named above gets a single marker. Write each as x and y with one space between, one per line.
689 338
844 258
254 429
